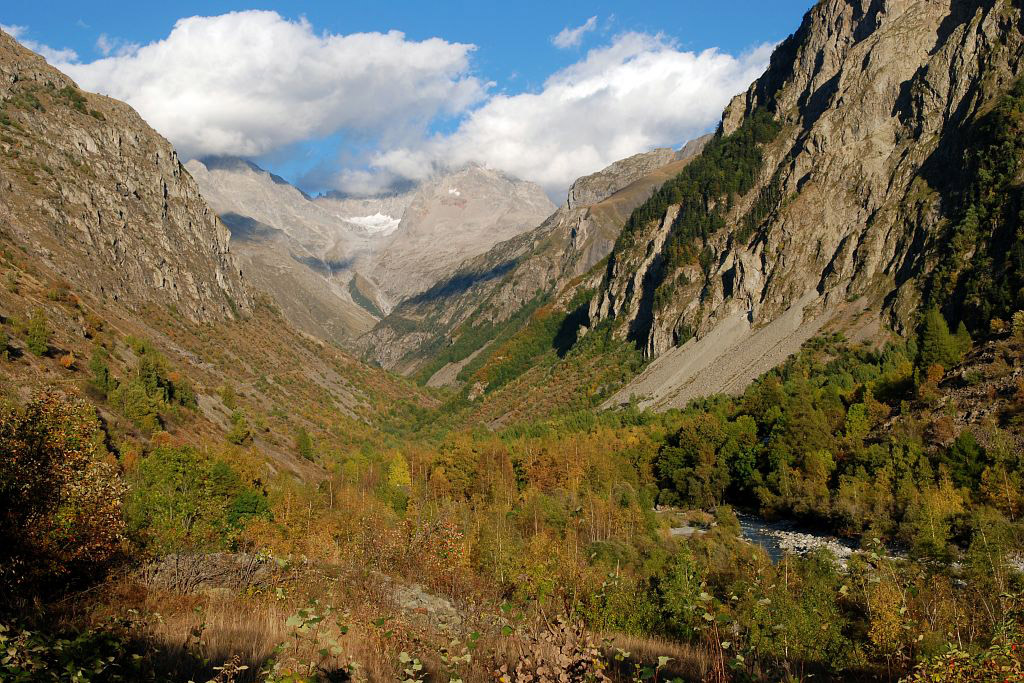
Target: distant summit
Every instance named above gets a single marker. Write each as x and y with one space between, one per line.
353 258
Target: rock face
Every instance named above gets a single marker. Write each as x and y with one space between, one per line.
495 285
101 198
847 203
593 188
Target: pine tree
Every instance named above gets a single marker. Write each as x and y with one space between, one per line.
101 378
938 346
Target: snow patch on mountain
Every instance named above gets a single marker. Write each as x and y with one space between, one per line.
378 223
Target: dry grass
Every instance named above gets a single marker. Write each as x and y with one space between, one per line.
690 662
192 633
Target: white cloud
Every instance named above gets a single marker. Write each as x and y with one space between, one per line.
104 44
114 46
571 37
53 56
250 83
638 93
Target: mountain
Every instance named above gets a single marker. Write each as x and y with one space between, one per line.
98 197
296 249
827 197
214 494
451 218
451 320
115 269
335 264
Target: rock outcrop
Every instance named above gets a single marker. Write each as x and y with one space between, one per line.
96 194
847 204
593 188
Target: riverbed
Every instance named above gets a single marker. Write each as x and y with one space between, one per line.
781 537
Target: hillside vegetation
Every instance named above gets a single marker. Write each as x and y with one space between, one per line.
192 490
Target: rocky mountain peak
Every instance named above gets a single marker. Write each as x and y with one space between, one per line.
837 204
592 188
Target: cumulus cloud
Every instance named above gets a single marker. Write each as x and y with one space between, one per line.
638 93
571 37
254 84
53 56
250 83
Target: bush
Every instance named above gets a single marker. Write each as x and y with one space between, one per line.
239 434
304 444
144 397
60 498
182 501
101 380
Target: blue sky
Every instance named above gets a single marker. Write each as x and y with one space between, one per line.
517 100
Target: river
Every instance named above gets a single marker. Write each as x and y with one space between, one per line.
780 537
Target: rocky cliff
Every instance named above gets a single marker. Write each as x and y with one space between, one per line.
96 194
492 287
830 181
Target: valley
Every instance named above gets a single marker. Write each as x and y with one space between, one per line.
747 408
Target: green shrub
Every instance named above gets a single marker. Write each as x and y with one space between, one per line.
304 444
182 501
240 434
101 379
37 333
131 399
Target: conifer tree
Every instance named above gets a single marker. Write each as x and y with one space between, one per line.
938 346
